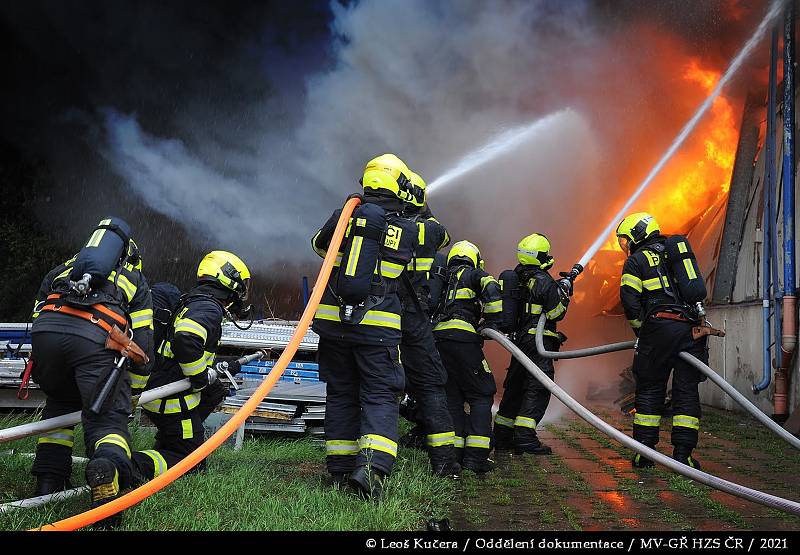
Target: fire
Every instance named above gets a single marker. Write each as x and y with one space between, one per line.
700 174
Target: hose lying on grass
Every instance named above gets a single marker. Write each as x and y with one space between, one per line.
759 415
190 461
687 471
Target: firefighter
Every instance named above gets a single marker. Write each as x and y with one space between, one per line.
525 399
663 325
78 305
425 374
470 294
188 351
359 324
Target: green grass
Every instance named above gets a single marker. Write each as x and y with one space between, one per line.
271 484
701 493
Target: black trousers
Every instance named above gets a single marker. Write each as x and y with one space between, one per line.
470 381
177 435
70 370
364 384
660 341
425 381
525 399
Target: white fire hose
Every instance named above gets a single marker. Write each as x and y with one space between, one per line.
687 471
704 368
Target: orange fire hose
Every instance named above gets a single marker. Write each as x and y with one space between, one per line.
160 482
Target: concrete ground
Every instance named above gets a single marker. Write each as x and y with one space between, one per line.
588 483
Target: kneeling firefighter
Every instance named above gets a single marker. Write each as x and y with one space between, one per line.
93 320
188 350
470 294
425 374
662 291
534 293
359 324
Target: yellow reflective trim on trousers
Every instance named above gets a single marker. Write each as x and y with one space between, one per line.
187 325
689 269
686 421
186 429
493 307
653 420
159 462
142 318
355 253
124 284
455 324
465 293
391 270
458 442
334 447
482 442
636 324
441 439
525 422
173 406
503 421
631 281
138 381
114 439
378 443
60 436
557 311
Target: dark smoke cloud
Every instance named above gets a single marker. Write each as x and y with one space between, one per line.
242 125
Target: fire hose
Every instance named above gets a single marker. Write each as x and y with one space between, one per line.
67 420
704 368
190 461
680 468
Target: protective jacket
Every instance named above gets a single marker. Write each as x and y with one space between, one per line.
381 324
431 237
189 349
123 300
544 297
470 293
645 286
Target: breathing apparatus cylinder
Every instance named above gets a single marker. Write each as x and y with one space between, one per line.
101 255
682 266
360 258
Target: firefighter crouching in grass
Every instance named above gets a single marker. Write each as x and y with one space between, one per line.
92 310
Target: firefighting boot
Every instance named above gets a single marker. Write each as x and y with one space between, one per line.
338 480
639 461
102 477
535 447
479 466
446 469
684 455
47 484
368 482
503 438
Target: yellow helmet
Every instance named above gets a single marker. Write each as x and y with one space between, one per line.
418 189
464 250
636 228
227 269
387 174
534 250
